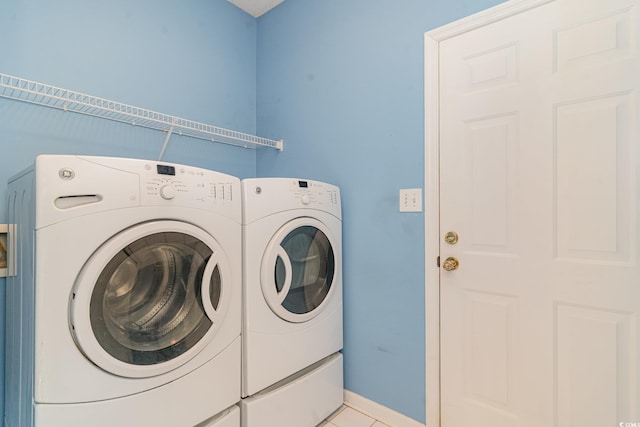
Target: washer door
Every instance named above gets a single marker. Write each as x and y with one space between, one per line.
298 270
150 299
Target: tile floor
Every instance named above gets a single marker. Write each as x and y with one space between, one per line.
349 417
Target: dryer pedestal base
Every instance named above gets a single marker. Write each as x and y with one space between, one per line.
229 418
303 400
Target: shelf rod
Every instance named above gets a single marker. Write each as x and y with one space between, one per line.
166 142
20 89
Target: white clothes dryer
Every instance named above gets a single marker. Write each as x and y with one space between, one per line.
124 307
292 312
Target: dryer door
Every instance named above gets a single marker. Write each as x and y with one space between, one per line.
298 270
150 299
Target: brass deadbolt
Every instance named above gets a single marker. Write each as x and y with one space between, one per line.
451 237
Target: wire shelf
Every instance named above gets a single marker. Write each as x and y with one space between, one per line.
67 100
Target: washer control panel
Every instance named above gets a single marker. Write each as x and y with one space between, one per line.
185 186
90 184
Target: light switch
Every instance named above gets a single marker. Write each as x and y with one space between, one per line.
411 200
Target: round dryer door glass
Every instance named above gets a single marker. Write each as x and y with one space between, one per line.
302 268
147 304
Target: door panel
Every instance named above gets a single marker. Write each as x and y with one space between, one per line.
538 176
598 131
593 362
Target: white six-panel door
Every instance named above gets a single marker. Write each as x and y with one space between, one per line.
538 176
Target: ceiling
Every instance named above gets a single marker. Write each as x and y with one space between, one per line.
256 7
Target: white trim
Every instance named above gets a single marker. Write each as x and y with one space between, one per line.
379 412
432 231
432 41
485 17
4 229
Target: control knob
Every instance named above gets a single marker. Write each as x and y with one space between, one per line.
305 199
167 192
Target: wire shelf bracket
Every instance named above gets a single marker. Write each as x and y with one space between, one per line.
20 89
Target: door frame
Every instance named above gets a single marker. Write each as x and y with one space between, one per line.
432 40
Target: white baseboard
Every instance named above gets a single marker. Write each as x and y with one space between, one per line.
379 412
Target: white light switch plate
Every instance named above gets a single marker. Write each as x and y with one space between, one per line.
411 200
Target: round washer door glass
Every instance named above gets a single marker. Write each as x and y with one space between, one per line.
146 306
298 270
155 302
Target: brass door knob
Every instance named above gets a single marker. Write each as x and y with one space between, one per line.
451 264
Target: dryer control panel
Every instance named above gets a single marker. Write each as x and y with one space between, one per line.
264 196
315 194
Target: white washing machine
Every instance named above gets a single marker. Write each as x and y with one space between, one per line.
125 304
292 312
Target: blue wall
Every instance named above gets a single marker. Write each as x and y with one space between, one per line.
342 83
193 58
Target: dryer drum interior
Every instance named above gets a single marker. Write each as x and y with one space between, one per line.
146 307
312 269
